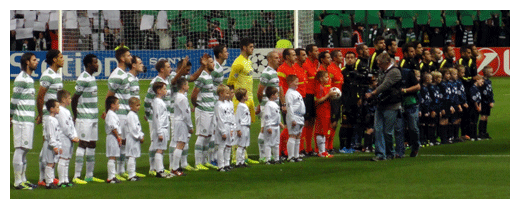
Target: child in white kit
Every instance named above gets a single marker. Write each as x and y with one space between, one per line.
134 137
223 126
243 123
272 126
113 139
51 146
160 127
294 118
183 127
67 136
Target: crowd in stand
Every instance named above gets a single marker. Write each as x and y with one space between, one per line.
180 33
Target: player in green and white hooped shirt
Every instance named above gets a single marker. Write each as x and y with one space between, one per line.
119 86
164 69
221 55
203 100
137 67
85 112
22 117
268 78
50 84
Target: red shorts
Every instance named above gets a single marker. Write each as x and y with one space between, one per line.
322 126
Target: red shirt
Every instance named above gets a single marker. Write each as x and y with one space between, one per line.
323 109
283 71
302 79
310 69
335 75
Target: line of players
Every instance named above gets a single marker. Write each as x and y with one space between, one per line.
124 86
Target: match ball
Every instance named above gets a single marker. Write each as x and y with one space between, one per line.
336 89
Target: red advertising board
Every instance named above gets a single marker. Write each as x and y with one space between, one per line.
496 57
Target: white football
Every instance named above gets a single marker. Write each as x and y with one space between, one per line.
336 89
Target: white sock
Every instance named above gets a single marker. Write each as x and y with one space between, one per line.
199 146
49 175
170 155
177 155
261 148
276 152
18 166
205 150
321 143
24 167
268 153
42 167
184 158
151 159
61 170
121 161
220 156
91 157
131 167
296 148
159 164
212 149
80 152
111 168
290 148
67 163
227 156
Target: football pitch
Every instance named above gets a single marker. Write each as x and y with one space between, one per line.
468 170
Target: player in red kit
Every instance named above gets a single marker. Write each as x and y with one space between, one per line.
336 80
310 66
323 109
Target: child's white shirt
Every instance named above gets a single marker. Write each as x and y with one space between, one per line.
242 115
52 128
271 114
181 110
161 122
112 122
295 107
68 131
133 127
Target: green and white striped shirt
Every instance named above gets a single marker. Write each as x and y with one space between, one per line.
52 81
86 88
118 83
134 86
206 97
218 77
268 78
150 95
23 100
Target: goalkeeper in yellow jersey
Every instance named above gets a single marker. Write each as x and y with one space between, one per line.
241 76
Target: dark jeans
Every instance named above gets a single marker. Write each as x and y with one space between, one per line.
384 124
410 120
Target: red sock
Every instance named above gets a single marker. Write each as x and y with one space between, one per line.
331 139
284 137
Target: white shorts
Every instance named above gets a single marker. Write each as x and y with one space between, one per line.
68 148
294 130
180 133
23 135
204 122
272 139
162 145
87 130
133 148
48 154
245 139
220 141
112 147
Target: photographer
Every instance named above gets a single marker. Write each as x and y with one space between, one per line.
388 106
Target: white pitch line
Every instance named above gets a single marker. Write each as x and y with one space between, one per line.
357 154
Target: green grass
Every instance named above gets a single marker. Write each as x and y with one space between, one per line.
479 169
